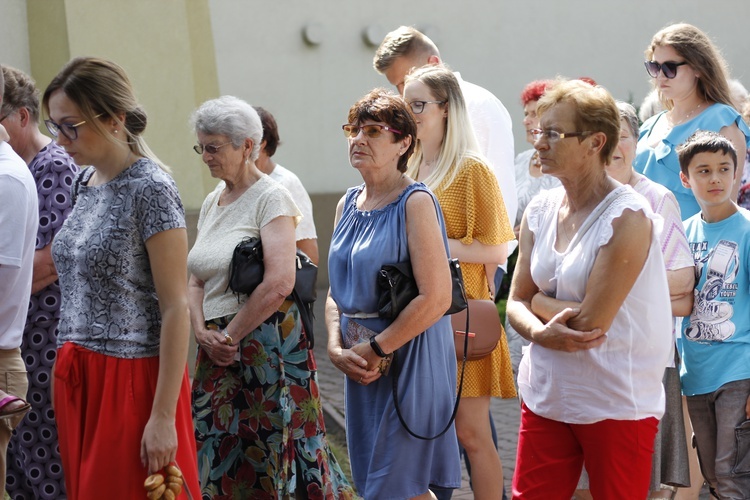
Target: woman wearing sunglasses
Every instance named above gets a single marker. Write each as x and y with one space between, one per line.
691 78
258 419
121 391
388 219
478 228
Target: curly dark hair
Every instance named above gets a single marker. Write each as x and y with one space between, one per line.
382 105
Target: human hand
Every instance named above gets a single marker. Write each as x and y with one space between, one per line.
558 336
747 408
159 443
213 343
353 365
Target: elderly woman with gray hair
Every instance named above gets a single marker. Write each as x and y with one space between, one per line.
258 420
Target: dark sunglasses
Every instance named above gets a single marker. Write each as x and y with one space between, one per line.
668 68
371 131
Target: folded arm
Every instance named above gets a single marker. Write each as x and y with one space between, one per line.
553 333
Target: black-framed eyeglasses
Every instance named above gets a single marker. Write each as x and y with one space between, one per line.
209 148
553 136
6 115
372 131
669 68
418 106
68 130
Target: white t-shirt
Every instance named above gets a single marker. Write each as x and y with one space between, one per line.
19 221
622 378
306 228
221 228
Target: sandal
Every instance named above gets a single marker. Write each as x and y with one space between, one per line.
7 413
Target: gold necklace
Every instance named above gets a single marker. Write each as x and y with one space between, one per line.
377 204
686 117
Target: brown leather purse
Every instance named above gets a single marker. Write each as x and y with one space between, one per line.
485 329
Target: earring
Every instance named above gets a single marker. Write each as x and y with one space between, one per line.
116 131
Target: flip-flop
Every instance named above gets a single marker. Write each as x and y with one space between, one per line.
15 411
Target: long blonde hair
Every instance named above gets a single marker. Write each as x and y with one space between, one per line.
101 87
459 141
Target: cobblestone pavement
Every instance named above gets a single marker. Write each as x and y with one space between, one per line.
506 412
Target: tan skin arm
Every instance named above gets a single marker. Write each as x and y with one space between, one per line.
681 283
310 247
619 261
44 273
555 333
737 138
167 252
277 238
477 252
433 281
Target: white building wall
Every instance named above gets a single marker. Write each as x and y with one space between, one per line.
14 35
500 44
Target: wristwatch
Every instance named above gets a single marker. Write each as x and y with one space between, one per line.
376 347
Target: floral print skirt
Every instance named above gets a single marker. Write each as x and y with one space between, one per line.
259 423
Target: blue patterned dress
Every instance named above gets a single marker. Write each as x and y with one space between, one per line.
34 467
386 462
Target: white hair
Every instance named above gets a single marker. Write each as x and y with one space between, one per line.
232 117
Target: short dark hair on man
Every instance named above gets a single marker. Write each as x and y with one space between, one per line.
270 131
403 42
704 141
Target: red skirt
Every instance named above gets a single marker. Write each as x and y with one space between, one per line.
102 405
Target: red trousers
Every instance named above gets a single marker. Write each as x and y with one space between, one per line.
102 405
617 454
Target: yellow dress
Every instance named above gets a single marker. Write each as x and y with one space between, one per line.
473 208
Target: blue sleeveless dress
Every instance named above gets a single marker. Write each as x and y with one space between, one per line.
660 164
386 462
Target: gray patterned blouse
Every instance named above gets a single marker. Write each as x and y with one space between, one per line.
109 302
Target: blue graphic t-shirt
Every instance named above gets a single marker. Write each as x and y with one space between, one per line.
715 344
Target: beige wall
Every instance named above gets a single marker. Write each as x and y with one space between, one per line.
14 34
181 52
166 48
501 45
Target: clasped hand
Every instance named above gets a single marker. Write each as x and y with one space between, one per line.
218 351
557 335
359 363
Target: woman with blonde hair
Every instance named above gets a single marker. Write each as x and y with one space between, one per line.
446 160
122 397
691 78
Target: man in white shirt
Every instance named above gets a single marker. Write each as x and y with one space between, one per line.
19 219
406 48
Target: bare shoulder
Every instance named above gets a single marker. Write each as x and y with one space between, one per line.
419 202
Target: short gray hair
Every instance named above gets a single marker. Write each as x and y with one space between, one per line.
232 117
627 113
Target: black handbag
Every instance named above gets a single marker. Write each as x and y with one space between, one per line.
246 273
398 288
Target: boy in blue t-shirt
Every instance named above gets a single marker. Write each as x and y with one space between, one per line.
715 344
